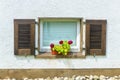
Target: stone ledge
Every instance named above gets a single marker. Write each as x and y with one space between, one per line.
44 73
71 55
74 77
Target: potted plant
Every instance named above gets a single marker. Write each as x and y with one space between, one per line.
62 48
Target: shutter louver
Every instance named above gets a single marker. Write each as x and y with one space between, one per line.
24 36
95 37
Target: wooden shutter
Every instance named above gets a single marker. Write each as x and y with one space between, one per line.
96 37
24 36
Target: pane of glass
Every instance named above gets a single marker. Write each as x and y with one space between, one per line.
55 31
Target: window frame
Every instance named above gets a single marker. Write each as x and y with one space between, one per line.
79 20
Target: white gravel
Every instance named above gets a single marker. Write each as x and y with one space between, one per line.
74 77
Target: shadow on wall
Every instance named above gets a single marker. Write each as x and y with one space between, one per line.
28 57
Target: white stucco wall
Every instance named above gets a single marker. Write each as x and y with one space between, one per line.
88 9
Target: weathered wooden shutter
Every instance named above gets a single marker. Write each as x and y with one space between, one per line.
96 37
24 36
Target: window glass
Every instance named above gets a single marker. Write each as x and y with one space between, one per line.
54 31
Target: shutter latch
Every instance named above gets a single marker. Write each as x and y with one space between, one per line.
94 55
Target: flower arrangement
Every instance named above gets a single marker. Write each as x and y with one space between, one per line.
62 48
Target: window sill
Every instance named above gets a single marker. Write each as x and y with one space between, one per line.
71 55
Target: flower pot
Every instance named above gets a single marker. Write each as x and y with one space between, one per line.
54 52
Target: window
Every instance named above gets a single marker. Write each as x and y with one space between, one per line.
54 30
89 37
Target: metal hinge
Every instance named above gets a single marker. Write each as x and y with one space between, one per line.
36 22
84 22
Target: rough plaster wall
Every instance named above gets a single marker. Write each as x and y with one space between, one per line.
93 9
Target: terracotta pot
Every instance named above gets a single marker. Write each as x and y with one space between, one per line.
54 52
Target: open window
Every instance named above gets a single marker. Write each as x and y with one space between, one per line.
52 30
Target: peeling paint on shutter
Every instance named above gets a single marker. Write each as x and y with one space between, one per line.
96 37
24 33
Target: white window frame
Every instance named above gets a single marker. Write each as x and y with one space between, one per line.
73 48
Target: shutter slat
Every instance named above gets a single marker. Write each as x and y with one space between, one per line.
24 36
95 37
95 40
24 32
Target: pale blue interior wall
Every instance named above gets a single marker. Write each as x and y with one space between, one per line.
88 9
